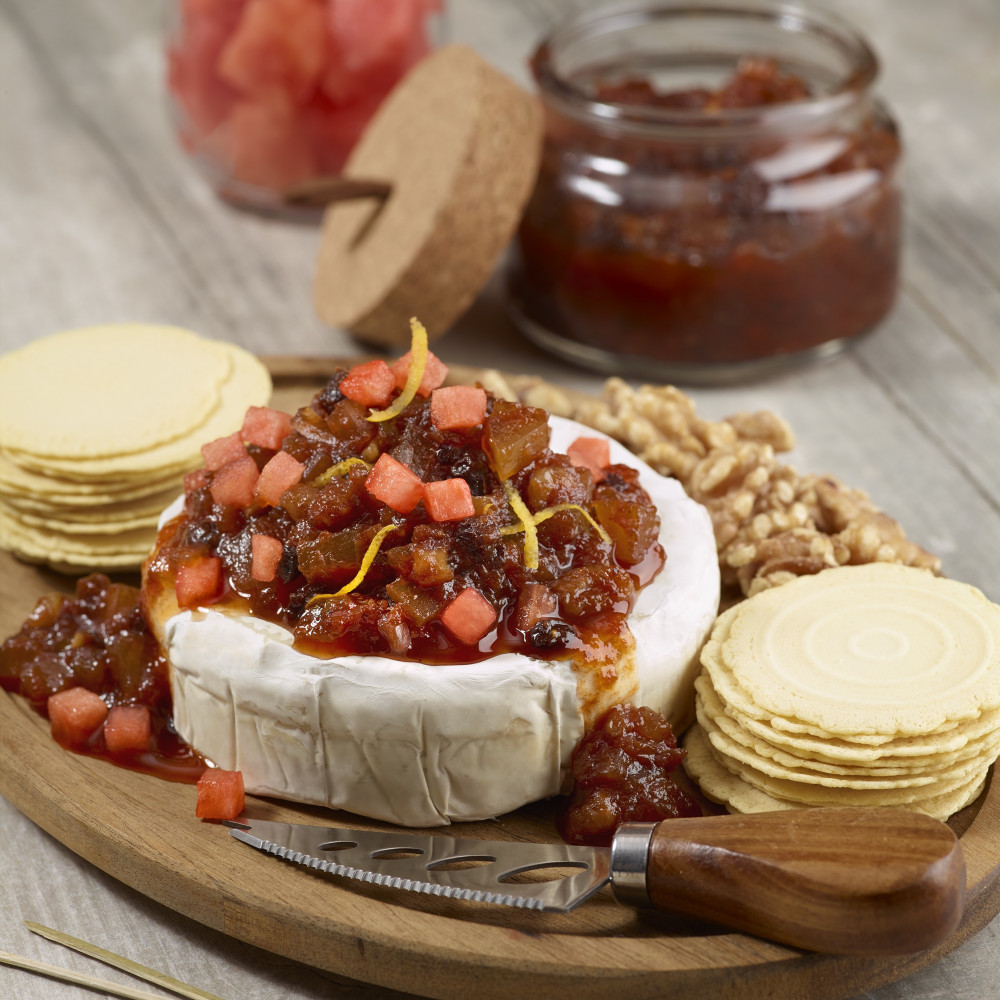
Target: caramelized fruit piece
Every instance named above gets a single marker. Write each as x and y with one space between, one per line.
622 773
514 436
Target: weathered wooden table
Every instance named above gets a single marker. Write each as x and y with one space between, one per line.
102 219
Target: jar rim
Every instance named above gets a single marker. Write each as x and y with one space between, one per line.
573 100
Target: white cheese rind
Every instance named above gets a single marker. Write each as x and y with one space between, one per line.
419 744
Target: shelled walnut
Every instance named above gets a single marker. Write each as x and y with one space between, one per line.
771 523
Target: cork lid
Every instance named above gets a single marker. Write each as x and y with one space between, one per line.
457 144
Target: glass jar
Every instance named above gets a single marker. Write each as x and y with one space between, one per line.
718 195
270 96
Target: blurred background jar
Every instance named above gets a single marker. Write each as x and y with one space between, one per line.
269 95
718 196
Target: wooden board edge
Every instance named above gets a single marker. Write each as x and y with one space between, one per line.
260 920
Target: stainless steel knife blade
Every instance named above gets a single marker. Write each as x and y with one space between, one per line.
842 880
456 867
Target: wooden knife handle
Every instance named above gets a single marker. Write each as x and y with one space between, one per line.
843 881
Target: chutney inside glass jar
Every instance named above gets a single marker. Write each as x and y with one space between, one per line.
718 195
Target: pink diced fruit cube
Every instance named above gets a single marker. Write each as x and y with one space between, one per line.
458 407
222 451
220 794
266 554
370 384
435 372
235 483
75 714
275 91
198 582
265 427
448 500
277 49
281 473
127 728
591 453
469 616
394 484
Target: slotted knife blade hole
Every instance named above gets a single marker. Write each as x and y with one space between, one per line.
546 872
337 845
396 853
462 863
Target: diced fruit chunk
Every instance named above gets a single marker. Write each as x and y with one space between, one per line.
535 602
458 407
435 372
469 616
220 794
281 473
370 384
198 582
265 427
235 483
127 727
394 484
448 500
419 605
591 453
266 144
76 714
266 553
514 436
195 480
278 47
222 451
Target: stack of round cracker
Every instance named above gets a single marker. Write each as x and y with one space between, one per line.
98 427
863 685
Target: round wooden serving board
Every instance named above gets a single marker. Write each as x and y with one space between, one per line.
143 831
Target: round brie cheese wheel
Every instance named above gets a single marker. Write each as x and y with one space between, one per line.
426 744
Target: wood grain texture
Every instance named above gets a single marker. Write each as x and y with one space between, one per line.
142 830
846 881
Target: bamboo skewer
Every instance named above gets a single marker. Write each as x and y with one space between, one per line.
109 958
77 978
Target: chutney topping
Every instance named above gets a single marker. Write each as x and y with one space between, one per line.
99 640
349 573
594 553
623 773
698 253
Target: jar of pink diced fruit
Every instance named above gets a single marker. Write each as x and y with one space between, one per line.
270 96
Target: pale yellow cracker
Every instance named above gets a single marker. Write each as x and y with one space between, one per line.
802 772
102 524
249 384
108 390
980 738
878 649
148 504
17 483
729 788
136 541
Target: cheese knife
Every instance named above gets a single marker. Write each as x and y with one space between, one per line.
844 881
